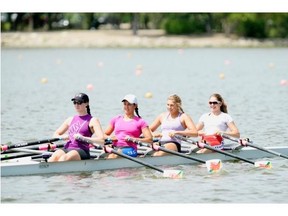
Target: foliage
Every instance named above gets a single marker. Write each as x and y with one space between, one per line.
254 25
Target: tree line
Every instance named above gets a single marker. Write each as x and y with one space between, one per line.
250 25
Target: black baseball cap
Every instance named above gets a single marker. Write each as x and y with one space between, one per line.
81 97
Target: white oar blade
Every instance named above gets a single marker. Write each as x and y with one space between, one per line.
263 164
214 165
173 174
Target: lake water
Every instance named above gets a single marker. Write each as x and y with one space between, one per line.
248 79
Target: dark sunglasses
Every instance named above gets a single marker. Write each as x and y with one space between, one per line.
76 102
213 102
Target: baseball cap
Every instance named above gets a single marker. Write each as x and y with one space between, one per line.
81 97
130 98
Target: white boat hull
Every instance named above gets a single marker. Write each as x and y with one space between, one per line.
31 167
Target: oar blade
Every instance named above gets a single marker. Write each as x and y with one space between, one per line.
175 174
263 164
214 165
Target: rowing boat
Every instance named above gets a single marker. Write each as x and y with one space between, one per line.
29 166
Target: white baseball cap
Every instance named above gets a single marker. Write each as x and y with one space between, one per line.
130 98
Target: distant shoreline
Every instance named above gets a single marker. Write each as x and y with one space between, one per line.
125 39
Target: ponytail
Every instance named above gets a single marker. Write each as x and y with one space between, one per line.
137 111
88 109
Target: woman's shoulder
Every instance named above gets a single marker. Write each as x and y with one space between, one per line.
119 116
164 114
205 114
225 114
94 118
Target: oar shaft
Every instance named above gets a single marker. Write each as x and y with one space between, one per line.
23 144
171 152
247 143
28 150
214 149
267 150
9 157
181 155
110 150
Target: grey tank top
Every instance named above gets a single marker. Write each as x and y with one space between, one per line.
169 125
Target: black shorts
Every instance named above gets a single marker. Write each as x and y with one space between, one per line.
178 145
84 155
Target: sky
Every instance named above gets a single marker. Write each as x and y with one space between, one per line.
144 6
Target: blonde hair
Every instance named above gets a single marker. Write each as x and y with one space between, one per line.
177 100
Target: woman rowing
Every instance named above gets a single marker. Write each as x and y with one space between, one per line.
81 128
213 124
128 127
173 122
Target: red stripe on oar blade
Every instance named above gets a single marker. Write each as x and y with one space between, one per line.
176 174
263 164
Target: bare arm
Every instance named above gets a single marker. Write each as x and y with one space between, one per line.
199 128
189 125
234 132
147 135
155 124
63 128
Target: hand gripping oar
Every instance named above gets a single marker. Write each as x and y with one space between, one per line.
246 142
262 164
213 166
6 147
166 173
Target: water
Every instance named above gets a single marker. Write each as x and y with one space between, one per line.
251 87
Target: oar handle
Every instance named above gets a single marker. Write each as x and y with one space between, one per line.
243 142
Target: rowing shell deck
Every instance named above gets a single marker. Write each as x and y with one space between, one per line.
26 166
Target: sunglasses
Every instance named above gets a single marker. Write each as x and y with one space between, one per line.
76 102
214 102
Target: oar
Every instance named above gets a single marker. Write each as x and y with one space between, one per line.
47 147
28 150
5 147
262 164
246 142
166 173
214 165
11 156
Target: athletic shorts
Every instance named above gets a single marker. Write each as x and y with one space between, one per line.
178 145
216 141
84 155
129 151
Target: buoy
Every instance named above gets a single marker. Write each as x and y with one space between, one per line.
148 95
100 64
58 61
227 62
222 76
89 87
180 51
271 65
283 82
139 70
44 80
